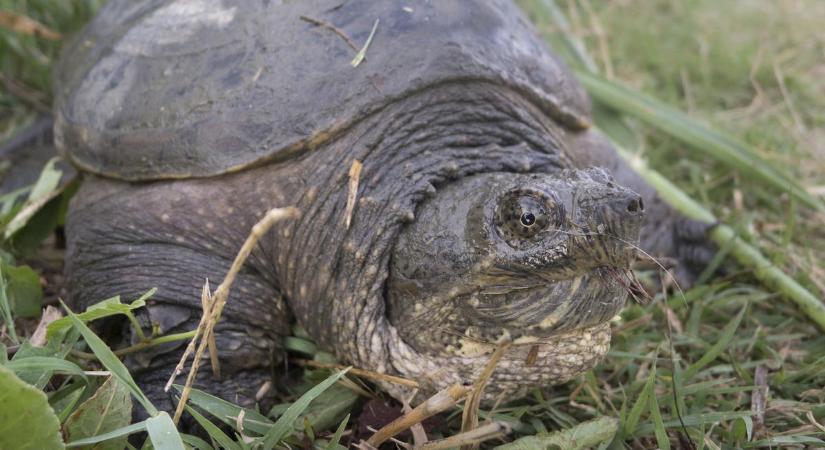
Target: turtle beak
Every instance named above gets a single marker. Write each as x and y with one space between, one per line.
609 227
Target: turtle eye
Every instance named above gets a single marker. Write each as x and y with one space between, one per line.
524 216
528 219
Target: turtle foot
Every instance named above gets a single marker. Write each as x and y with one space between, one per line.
693 250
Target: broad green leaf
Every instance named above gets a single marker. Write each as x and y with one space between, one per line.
48 180
6 257
115 434
109 409
23 290
579 437
325 357
109 360
743 429
285 423
45 189
300 332
224 441
326 410
41 225
9 200
27 422
300 345
106 308
227 412
163 432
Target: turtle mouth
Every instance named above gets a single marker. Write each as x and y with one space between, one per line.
544 308
626 278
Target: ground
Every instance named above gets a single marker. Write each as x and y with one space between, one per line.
731 364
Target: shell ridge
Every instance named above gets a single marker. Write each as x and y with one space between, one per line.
267 85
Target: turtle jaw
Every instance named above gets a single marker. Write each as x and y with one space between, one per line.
544 311
528 363
550 343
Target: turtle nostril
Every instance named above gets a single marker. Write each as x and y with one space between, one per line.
636 205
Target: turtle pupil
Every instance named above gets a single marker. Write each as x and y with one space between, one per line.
528 219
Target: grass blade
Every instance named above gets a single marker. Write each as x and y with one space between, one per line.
303 346
195 442
5 310
45 364
224 441
163 433
721 344
699 136
64 400
336 438
363 52
46 188
780 441
227 412
564 39
748 256
696 420
110 361
641 402
658 424
284 423
120 432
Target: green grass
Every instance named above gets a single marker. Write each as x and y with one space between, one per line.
681 368
26 59
725 63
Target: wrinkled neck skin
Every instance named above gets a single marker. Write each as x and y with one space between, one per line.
335 276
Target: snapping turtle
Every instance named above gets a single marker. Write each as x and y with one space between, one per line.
487 209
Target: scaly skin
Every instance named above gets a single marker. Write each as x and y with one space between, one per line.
124 238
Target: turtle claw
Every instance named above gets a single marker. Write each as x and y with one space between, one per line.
693 250
692 230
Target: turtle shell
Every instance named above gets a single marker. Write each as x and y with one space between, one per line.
194 88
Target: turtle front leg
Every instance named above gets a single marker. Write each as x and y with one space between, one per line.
124 239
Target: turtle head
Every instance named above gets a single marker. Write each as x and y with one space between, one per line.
517 257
